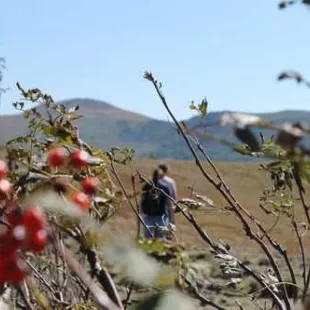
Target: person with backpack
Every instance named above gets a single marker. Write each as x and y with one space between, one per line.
173 189
170 181
155 204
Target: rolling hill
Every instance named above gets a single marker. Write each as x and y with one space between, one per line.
106 126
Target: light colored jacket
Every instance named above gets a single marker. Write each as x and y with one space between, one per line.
173 185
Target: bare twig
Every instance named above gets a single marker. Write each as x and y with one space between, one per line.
203 300
103 277
127 300
225 191
302 251
128 198
101 298
218 249
25 298
304 204
133 181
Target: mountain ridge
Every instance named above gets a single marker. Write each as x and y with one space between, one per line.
85 101
106 126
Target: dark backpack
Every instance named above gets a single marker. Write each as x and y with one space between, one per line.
154 201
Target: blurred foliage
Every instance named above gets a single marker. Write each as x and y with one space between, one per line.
287 3
201 108
166 300
163 251
2 68
35 183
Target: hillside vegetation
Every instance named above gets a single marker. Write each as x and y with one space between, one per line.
106 126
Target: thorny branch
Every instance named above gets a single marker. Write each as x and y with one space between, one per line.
25 298
217 248
226 193
302 251
101 274
203 300
102 299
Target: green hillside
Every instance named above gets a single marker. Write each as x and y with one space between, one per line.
106 126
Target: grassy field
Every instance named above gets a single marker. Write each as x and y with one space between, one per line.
246 181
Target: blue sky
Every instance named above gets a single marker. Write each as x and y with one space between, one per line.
229 51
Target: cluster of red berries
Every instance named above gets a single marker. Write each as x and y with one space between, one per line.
58 158
23 230
19 230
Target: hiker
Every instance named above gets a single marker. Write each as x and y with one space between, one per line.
169 180
173 189
155 204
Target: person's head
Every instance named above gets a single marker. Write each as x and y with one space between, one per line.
158 174
155 176
163 168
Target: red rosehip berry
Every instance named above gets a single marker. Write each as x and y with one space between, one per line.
12 268
90 185
19 234
81 199
4 259
57 157
6 240
34 219
19 272
12 239
3 169
79 159
38 241
14 215
6 188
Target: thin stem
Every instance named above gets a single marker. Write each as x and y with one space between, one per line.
208 240
25 298
101 298
302 251
304 204
127 300
128 198
203 300
137 204
226 193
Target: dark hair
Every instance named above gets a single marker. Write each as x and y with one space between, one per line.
163 167
155 176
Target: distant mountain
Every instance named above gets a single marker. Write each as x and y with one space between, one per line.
106 126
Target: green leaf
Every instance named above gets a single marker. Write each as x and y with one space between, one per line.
74 117
19 105
203 107
183 126
34 94
241 149
39 296
26 114
192 106
274 164
47 130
